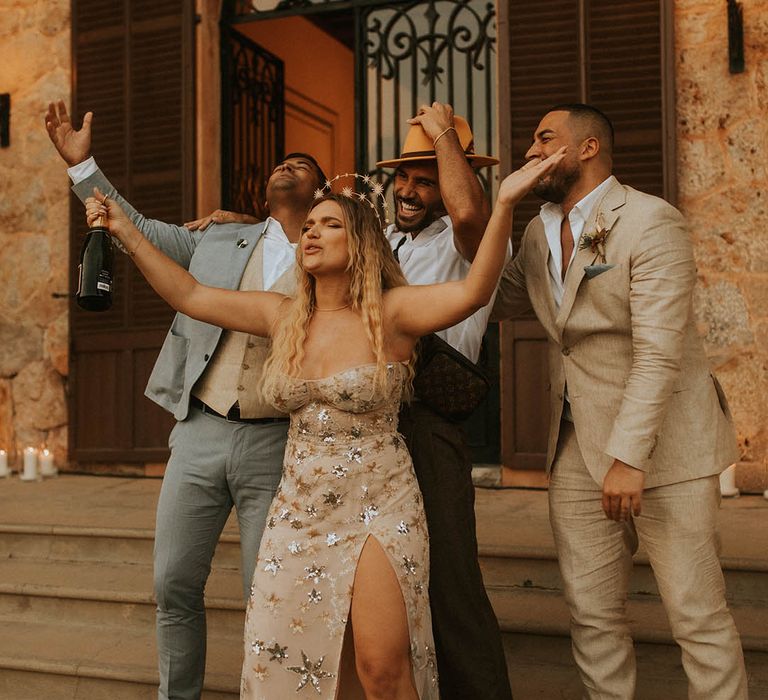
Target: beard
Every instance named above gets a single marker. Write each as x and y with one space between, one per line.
555 186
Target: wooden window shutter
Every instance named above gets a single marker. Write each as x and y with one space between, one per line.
544 70
133 67
624 78
613 54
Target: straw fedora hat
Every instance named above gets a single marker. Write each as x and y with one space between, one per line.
418 146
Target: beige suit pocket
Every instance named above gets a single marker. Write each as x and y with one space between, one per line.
607 278
607 294
721 398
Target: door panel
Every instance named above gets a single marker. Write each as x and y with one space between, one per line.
253 121
132 66
525 395
319 77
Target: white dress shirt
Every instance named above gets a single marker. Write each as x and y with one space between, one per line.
431 258
552 218
279 252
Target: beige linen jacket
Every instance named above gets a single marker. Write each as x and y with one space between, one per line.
625 344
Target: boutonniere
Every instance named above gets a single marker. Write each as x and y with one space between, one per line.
595 241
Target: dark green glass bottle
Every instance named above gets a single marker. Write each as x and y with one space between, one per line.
95 278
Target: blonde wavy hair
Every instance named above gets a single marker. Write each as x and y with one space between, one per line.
373 269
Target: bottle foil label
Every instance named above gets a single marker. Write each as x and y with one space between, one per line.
104 283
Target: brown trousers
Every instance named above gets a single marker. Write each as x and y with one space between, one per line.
470 656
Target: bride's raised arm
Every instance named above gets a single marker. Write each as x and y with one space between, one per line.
250 312
417 310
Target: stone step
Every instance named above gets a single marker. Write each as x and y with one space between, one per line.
117 595
542 668
34 685
531 611
87 662
77 613
519 563
745 581
96 544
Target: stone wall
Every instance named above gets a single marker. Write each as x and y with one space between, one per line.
34 264
722 142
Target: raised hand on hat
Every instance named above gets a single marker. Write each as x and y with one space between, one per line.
435 119
462 194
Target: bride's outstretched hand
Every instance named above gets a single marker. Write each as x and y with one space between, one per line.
519 183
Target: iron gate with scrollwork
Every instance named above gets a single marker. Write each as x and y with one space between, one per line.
408 52
253 121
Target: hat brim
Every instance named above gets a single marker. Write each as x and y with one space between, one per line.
474 160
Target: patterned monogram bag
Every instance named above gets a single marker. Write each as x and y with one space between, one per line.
446 381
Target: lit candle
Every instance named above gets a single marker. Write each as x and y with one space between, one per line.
30 464
46 463
728 482
4 471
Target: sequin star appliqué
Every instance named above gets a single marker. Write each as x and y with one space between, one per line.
310 672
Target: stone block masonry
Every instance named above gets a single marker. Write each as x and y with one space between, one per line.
722 165
34 221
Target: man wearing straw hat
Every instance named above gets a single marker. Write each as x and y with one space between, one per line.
440 216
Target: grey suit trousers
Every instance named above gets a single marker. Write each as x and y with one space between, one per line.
214 465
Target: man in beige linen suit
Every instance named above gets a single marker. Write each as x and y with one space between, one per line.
639 427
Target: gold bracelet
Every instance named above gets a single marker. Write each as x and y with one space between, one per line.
441 134
138 245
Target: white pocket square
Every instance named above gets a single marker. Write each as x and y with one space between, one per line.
592 271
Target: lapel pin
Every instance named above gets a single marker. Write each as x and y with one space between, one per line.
241 243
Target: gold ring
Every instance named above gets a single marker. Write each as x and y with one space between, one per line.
104 201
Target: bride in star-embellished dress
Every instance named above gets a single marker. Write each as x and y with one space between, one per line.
340 604
347 477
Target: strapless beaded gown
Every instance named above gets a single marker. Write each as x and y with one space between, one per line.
347 476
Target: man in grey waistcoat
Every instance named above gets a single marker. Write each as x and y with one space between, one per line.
227 445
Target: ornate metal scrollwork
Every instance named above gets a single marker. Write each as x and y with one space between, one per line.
429 50
466 28
409 52
255 110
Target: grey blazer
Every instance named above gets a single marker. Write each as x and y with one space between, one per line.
218 258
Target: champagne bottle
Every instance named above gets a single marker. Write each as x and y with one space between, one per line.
94 285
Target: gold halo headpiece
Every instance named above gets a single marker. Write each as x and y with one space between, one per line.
374 197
